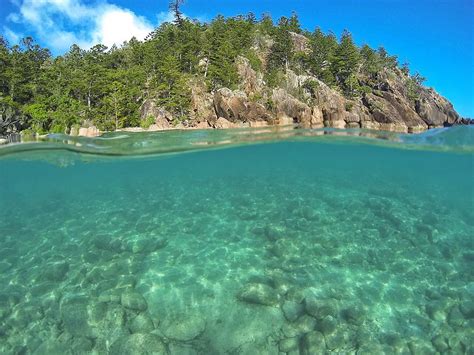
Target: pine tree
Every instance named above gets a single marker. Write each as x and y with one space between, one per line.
174 7
346 64
323 48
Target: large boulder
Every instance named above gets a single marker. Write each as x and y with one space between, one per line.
162 118
250 80
202 105
235 107
291 110
91 131
392 113
435 110
300 42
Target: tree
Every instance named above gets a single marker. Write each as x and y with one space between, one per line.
294 23
371 63
282 50
323 48
346 64
174 7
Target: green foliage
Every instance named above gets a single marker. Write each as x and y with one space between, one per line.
108 86
147 122
413 86
345 65
323 49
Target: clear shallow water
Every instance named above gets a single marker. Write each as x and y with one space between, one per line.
306 244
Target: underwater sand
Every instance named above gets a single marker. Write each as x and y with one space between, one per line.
290 247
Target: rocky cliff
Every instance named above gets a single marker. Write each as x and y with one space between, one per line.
386 104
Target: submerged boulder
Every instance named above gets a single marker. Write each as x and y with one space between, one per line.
258 293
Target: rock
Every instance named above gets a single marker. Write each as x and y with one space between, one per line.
305 324
440 344
455 317
288 344
91 131
55 271
50 347
292 310
436 310
300 42
75 316
138 344
3 141
161 118
327 325
141 324
388 112
112 295
4 266
340 341
313 343
353 315
81 345
420 346
251 81
142 245
467 309
133 300
320 308
274 232
202 105
258 294
236 108
222 123
435 110
184 327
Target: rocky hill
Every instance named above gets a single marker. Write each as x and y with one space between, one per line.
309 102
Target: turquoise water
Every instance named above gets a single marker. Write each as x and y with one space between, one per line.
305 244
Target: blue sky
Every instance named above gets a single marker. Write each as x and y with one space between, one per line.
434 36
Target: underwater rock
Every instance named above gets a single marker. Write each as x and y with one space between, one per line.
327 325
313 343
141 324
353 315
292 310
258 294
7 301
74 315
138 344
181 349
55 271
112 295
185 327
273 232
4 266
467 309
145 244
305 324
81 345
340 340
420 346
288 345
133 300
320 308
50 347
436 310
440 344
455 317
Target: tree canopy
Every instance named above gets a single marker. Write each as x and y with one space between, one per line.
107 86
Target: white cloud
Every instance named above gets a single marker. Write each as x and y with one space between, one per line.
61 23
